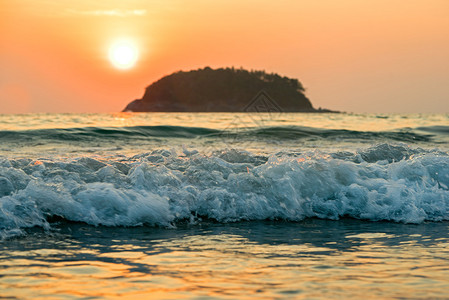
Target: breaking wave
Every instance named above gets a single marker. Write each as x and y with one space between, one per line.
160 188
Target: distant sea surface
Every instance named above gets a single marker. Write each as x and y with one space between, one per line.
224 206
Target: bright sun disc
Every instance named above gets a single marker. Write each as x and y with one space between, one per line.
123 55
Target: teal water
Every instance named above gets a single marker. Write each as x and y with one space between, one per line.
178 205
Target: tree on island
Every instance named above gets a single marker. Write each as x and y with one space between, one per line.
220 90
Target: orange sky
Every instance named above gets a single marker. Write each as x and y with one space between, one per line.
351 55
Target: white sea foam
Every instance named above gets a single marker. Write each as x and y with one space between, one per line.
159 188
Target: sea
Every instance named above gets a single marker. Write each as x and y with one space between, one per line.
262 205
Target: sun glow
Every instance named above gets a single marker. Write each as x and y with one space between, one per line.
123 54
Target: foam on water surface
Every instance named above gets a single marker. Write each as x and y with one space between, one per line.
162 187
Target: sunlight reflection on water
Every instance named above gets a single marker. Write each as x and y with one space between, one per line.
266 260
132 133
349 121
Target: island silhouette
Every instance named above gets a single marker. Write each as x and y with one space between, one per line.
223 90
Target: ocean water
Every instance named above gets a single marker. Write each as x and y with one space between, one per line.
224 206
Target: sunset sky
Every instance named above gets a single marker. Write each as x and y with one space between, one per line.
351 55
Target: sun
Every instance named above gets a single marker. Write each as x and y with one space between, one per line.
123 54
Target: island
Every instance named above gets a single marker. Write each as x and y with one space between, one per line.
224 90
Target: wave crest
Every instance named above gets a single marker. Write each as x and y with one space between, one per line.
421 134
384 182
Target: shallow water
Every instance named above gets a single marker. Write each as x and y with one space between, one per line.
311 259
224 206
